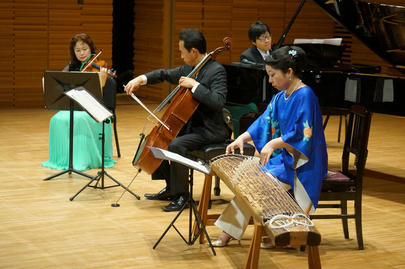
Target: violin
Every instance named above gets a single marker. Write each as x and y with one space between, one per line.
96 65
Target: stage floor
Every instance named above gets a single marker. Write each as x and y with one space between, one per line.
41 228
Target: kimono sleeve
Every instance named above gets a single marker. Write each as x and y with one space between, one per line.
299 128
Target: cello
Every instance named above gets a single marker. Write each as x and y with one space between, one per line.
181 108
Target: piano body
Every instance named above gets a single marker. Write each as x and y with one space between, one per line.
380 27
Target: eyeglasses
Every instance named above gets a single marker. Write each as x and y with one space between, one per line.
264 38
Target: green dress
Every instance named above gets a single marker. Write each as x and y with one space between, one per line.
86 142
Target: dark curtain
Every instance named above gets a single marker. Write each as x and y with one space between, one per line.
123 41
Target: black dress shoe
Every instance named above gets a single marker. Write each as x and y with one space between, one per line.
177 204
163 195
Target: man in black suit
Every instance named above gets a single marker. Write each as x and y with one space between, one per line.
259 35
205 126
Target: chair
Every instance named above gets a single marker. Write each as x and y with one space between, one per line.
346 185
335 111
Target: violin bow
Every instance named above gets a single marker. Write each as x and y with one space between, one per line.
92 60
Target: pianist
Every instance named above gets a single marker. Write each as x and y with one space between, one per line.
259 35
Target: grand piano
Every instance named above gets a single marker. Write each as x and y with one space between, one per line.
380 27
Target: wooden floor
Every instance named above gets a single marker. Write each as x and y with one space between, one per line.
41 228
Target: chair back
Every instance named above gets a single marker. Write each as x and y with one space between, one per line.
356 141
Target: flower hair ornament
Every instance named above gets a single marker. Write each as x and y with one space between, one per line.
293 53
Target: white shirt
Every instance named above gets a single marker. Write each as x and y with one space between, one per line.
263 53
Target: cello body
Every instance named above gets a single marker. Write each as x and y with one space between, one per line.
176 116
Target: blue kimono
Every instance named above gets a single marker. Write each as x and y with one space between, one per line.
297 120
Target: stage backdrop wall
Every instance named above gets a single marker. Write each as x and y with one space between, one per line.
34 37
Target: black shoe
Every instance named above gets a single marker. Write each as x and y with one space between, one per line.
176 205
163 195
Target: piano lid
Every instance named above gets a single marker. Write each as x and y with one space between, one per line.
380 27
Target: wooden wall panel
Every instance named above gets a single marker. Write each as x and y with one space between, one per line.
63 22
6 53
243 14
151 42
35 36
96 18
30 50
215 25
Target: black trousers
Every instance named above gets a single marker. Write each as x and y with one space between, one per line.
175 174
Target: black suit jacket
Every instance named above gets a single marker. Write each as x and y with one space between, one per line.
211 93
252 54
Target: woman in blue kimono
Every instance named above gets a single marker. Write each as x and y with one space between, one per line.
289 137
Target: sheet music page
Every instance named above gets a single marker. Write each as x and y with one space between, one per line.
328 41
167 155
88 102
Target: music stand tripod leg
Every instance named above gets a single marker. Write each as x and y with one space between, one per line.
70 167
100 174
202 228
120 184
193 209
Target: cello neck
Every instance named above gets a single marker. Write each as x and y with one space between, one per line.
192 74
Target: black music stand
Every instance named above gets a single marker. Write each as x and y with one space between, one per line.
167 155
56 83
100 114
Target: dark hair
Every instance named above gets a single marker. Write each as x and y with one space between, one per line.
193 38
257 29
85 39
287 57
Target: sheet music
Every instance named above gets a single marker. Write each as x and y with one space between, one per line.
328 41
167 155
89 103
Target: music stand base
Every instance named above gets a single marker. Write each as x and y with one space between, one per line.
200 225
70 171
102 173
100 177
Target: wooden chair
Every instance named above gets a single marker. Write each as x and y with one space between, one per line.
346 185
335 111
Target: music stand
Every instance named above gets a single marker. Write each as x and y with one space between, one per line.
167 155
100 114
56 83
